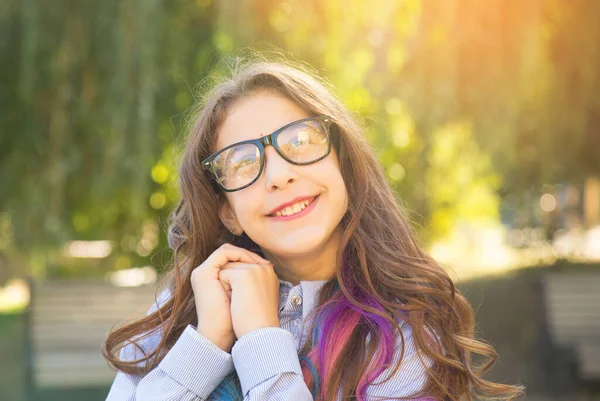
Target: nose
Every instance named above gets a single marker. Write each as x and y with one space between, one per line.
278 172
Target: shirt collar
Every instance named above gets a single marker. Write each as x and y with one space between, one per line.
308 289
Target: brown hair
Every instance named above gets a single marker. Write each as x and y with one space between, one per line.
386 258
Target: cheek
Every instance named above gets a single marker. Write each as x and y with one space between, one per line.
343 194
246 206
336 186
335 175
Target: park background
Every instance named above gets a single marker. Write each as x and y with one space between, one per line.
484 115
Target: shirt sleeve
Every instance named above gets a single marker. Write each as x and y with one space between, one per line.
267 364
191 370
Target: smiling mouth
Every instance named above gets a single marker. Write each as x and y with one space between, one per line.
293 209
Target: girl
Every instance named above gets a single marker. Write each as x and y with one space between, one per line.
296 275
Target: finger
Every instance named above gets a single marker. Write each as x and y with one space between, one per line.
256 258
226 285
232 271
228 253
243 265
225 277
254 255
228 270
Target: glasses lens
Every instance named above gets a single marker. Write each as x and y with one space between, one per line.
237 166
304 142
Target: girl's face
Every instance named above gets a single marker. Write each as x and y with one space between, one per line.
249 209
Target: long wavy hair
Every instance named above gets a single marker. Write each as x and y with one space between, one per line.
383 275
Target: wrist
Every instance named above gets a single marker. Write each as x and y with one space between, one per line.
219 341
248 330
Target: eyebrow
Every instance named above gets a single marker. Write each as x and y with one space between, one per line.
235 143
263 135
272 132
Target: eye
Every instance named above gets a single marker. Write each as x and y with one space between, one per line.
245 166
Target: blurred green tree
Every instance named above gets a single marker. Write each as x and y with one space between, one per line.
94 95
92 105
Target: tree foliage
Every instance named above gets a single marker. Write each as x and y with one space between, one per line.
93 96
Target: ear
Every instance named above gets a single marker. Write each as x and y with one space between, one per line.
228 217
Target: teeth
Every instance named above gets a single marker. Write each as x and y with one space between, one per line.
293 209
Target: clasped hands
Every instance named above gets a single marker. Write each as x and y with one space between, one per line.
236 292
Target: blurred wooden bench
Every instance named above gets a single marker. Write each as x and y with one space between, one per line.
67 322
572 306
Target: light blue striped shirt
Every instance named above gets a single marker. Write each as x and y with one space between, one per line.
266 360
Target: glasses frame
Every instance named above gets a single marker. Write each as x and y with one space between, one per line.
262 143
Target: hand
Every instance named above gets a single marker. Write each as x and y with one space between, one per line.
254 289
213 303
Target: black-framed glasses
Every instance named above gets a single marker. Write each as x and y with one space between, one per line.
300 142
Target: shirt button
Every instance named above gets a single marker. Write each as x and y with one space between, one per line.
297 300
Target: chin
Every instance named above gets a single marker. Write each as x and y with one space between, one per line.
298 243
